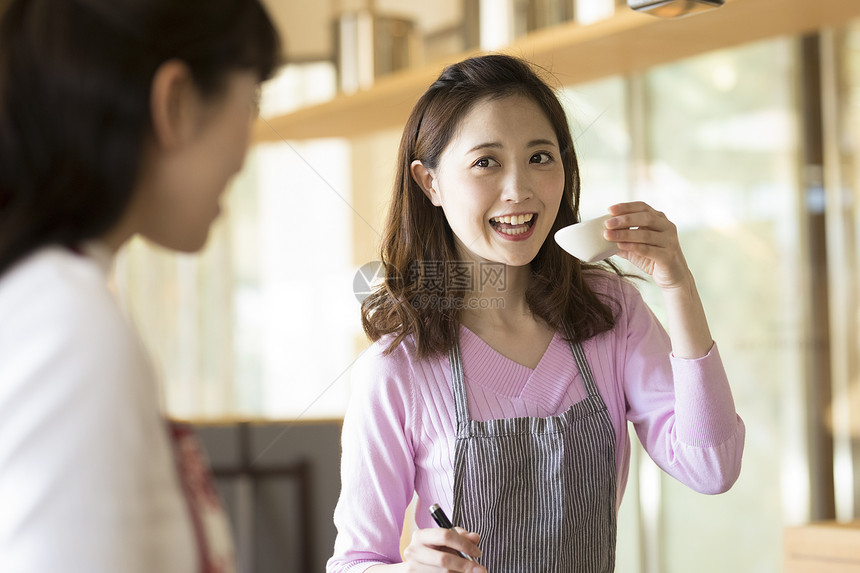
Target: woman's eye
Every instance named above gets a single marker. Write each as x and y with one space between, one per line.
541 157
485 162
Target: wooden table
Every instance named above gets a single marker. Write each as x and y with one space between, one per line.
825 547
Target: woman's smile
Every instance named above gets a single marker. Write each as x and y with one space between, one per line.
516 227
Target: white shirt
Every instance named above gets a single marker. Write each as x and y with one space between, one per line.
88 481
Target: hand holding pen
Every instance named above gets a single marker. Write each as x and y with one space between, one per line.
442 521
446 548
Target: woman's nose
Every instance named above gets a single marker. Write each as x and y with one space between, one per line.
517 187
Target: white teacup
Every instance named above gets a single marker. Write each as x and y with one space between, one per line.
584 240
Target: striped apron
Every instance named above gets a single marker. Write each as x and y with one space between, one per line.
539 491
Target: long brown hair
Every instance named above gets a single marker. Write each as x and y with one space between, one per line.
418 240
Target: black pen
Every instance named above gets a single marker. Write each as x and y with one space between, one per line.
442 521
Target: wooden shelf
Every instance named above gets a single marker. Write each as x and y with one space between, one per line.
627 42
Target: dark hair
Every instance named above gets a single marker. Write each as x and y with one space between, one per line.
417 235
75 80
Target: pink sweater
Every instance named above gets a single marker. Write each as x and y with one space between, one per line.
399 430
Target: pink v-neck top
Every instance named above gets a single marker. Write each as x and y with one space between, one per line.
399 430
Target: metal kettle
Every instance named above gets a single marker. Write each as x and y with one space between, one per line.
673 8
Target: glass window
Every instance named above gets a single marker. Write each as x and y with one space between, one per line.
719 156
597 114
842 177
723 164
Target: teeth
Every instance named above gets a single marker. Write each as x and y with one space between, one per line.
514 219
514 231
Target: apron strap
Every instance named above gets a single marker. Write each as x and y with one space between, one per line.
584 370
461 403
582 364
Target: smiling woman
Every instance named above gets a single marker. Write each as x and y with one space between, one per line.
434 147
505 414
505 190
